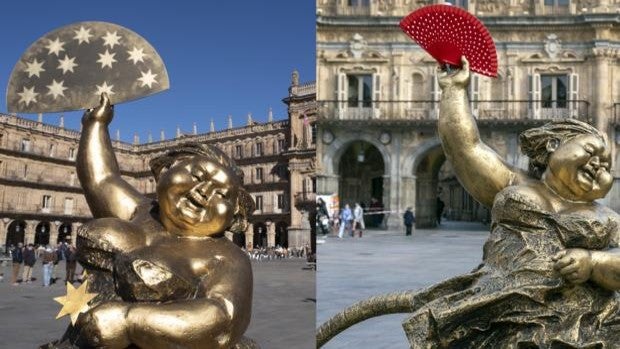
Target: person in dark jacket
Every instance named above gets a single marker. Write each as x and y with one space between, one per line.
71 263
29 259
409 220
18 259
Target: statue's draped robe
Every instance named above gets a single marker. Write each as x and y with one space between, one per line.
515 299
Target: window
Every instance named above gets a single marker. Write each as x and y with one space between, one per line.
280 201
259 149
459 3
557 6
359 89
238 151
313 130
25 144
46 203
259 174
72 179
554 91
52 149
71 153
359 2
259 203
280 145
68 206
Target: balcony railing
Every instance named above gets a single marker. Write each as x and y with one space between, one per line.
429 110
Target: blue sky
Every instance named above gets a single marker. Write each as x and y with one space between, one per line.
222 57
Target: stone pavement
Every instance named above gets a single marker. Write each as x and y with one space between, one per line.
353 269
283 314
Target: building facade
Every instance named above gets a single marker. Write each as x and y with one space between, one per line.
377 95
41 200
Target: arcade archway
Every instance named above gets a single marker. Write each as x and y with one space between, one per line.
15 233
239 239
42 234
282 234
260 235
362 171
439 194
64 232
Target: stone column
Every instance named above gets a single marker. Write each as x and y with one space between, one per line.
327 184
75 227
601 98
54 232
4 227
271 234
408 193
30 231
249 236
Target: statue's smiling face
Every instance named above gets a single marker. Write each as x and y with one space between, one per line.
582 167
197 197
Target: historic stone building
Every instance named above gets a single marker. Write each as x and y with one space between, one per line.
41 200
377 95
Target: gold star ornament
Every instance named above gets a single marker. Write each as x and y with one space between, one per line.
75 302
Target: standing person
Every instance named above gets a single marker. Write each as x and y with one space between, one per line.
48 259
29 259
358 219
71 263
322 216
440 207
346 217
409 219
17 254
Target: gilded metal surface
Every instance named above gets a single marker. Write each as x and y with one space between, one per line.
68 69
551 268
163 271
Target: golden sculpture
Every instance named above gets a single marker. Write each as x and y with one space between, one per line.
75 302
551 266
163 271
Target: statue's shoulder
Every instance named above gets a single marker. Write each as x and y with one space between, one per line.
527 195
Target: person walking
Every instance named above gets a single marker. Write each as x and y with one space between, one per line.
71 263
29 260
346 217
322 216
409 220
440 207
17 254
49 257
358 219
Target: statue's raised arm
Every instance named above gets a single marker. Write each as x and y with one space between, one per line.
107 194
479 168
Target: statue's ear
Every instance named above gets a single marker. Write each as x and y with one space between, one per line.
552 145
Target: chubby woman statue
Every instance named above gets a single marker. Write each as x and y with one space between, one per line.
164 274
551 267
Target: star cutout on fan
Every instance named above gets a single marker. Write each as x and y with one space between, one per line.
67 64
34 68
28 96
75 302
82 35
111 39
106 59
55 46
56 89
147 78
136 55
104 88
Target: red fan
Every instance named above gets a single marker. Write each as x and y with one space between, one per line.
449 32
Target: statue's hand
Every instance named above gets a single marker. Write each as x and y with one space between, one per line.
105 326
458 79
574 264
102 113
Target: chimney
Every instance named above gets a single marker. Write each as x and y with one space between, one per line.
162 137
229 121
249 119
118 135
270 115
212 128
136 138
150 137
195 129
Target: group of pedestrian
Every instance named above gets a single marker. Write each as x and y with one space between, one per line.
24 258
351 221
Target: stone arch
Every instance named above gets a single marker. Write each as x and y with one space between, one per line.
411 162
426 172
282 234
64 231
16 233
333 153
239 239
42 233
